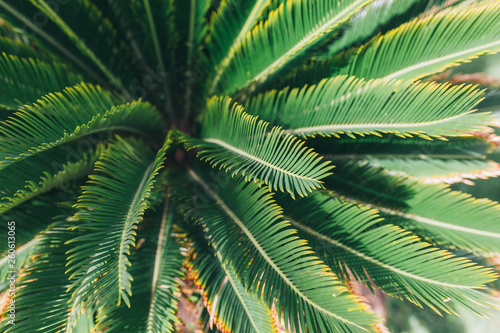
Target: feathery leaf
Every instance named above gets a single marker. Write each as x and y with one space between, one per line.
350 239
243 224
431 44
53 121
356 107
230 308
289 33
239 143
111 205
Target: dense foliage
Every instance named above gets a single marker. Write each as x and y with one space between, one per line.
262 153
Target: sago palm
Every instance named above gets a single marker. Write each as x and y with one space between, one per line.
264 153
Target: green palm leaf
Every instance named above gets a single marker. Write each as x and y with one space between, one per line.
299 284
431 44
77 32
41 305
111 205
236 141
40 174
13 45
433 169
154 303
356 107
349 238
370 184
42 126
294 28
372 18
155 18
451 217
195 70
228 27
26 80
240 312
89 38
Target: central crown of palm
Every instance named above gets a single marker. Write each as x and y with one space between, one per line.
322 161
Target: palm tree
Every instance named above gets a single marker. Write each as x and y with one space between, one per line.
265 152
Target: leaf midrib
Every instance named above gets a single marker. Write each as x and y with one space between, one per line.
82 46
245 154
129 220
437 223
472 51
166 223
237 292
240 224
305 41
370 259
347 127
53 42
232 50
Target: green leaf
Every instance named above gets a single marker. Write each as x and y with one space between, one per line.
233 20
91 33
154 303
243 224
196 63
53 121
230 307
239 143
434 169
374 17
430 44
111 205
12 45
41 303
368 183
289 33
352 106
450 217
98 35
350 239
42 173
26 80
155 19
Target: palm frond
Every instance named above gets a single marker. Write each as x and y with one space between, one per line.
372 18
431 44
41 304
90 32
239 143
239 312
14 262
274 265
40 174
26 80
82 38
111 205
451 218
52 121
433 169
155 288
352 106
351 241
14 46
195 70
294 29
368 183
155 19
228 27
47 37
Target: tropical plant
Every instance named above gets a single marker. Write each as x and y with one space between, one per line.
263 153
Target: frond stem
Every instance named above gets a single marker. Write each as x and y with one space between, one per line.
159 56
